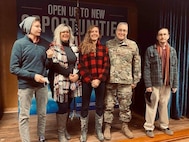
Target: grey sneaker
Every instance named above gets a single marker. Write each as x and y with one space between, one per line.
168 131
42 139
150 133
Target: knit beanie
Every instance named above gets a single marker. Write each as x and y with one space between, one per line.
26 24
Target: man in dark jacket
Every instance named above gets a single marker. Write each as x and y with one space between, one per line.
160 77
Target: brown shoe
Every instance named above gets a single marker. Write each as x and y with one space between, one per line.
107 134
126 131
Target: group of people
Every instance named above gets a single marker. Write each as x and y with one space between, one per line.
113 71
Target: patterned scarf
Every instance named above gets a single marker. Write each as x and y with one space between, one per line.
164 55
61 83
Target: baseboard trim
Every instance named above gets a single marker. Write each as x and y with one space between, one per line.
11 110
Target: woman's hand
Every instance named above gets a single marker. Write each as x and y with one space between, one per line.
95 83
73 77
50 52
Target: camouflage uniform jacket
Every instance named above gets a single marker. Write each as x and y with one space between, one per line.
125 61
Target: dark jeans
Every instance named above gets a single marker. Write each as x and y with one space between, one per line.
86 95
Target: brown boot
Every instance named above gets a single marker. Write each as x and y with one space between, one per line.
107 134
126 131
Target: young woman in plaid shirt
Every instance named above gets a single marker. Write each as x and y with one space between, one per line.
94 70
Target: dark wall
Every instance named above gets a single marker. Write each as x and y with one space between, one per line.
1 104
148 24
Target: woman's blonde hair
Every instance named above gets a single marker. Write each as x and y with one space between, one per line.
61 28
86 45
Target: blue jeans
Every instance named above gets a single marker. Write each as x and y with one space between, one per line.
25 98
86 95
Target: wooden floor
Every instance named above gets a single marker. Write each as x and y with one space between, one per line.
9 129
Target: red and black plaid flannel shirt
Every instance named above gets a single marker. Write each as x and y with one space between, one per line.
93 66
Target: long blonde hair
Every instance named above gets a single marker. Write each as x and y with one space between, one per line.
87 45
60 28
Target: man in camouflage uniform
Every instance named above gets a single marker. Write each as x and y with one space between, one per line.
125 73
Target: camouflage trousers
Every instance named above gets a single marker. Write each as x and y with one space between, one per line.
121 94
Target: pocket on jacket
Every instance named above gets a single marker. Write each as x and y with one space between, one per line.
153 59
